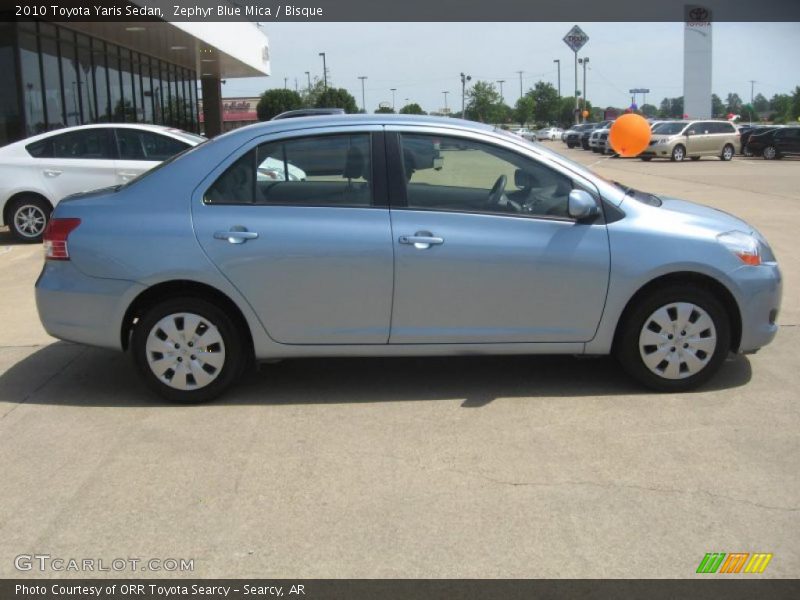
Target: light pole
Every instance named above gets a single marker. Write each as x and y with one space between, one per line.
363 97
558 66
577 112
584 61
446 110
464 80
520 82
324 70
308 74
501 82
285 82
393 90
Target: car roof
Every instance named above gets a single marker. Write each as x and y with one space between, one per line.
304 123
40 136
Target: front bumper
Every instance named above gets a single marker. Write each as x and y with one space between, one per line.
88 310
759 291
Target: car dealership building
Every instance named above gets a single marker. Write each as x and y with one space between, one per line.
62 74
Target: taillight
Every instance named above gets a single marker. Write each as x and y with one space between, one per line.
55 238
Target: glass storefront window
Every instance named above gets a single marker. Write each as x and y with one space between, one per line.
128 112
103 113
31 84
86 85
54 105
114 85
70 76
10 122
147 90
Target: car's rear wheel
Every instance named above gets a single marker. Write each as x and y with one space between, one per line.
678 153
675 338
188 349
770 153
727 152
747 152
29 216
646 158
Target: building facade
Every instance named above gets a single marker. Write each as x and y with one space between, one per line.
58 75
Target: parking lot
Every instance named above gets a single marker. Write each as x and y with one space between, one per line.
435 467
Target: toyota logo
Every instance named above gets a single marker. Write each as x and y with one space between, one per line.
698 13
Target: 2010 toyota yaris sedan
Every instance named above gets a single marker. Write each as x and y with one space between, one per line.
406 236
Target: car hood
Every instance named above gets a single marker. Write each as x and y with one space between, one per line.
706 217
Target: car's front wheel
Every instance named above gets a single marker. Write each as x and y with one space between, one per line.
770 153
188 349
674 339
678 153
29 216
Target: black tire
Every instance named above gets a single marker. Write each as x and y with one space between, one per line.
569 146
727 152
695 158
678 153
595 150
626 347
29 205
237 356
646 158
770 153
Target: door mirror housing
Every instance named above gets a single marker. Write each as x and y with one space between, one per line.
582 205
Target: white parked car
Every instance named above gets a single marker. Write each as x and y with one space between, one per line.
549 133
526 133
37 172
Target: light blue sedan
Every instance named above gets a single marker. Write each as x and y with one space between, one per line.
407 236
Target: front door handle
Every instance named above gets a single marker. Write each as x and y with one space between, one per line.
422 240
235 235
52 172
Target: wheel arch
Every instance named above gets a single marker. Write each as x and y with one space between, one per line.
16 196
717 288
176 288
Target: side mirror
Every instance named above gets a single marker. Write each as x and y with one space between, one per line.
582 206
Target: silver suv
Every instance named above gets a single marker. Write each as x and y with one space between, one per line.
677 140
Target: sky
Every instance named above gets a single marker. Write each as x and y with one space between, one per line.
423 59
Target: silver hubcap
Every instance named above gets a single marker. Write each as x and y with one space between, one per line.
677 340
769 152
678 153
727 153
30 220
185 351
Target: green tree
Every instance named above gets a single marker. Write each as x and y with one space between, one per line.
481 99
648 110
310 95
733 103
337 98
546 99
412 109
717 107
524 110
794 106
274 102
760 103
384 110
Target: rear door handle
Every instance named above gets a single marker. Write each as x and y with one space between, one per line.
422 240
236 235
52 172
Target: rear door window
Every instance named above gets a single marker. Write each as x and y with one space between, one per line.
91 143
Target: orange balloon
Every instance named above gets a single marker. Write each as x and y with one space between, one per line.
629 135
585 114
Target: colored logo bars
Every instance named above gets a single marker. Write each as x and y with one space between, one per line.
735 562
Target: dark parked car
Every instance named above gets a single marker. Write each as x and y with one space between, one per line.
573 136
776 143
587 133
748 131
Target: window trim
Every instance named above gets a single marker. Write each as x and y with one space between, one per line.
377 163
398 199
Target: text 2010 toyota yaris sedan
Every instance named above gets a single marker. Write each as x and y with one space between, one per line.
407 236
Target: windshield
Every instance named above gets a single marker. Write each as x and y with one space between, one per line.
669 128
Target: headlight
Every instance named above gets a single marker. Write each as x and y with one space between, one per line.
743 245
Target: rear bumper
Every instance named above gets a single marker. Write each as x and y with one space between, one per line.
88 310
759 290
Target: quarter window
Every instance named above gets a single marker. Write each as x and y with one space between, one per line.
332 170
453 174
